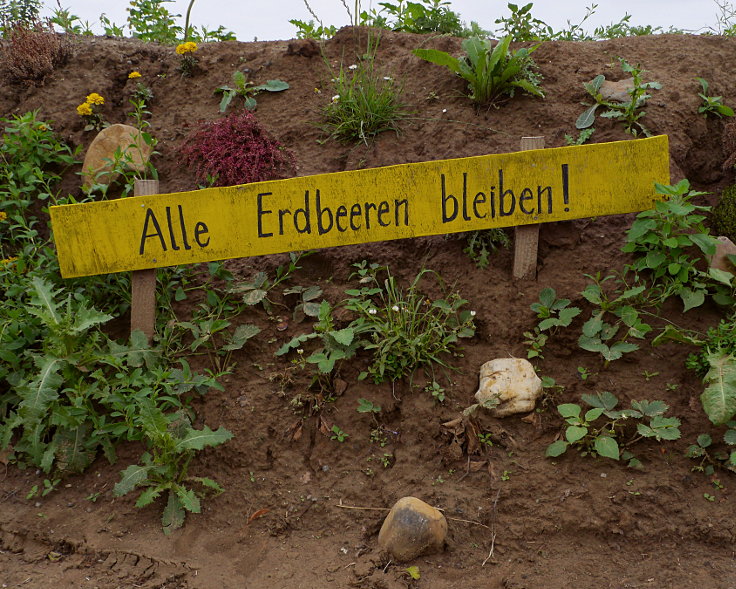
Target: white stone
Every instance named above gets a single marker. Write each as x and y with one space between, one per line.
511 381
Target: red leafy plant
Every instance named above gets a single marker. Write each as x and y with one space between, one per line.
236 150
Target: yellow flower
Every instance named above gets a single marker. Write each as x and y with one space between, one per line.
132 75
42 127
3 215
95 98
7 261
188 47
84 109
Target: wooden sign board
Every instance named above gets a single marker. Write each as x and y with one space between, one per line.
394 202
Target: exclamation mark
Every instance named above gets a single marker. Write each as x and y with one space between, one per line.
565 187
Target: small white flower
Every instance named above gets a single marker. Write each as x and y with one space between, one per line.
299 351
372 311
472 313
444 110
387 78
353 67
335 98
395 308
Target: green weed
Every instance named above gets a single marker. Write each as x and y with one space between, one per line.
629 112
366 102
172 442
247 91
492 72
712 105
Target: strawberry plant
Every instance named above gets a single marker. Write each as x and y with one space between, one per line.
596 437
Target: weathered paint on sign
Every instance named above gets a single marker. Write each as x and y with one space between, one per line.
378 204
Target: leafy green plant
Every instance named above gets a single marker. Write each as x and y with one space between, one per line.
257 290
629 112
338 434
492 73
717 341
70 23
173 443
482 243
553 313
585 432
663 237
32 159
712 105
424 16
150 20
710 458
18 12
310 30
366 102
366 406
247 91
582 137
436 390
615 319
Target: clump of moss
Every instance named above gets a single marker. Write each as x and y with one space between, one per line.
724 214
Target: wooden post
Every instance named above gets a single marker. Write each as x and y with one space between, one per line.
143 282
526 237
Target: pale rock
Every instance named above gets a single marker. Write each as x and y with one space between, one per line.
412 528
617 91
512 382
724 247
97 164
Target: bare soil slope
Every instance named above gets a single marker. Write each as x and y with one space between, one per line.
575 521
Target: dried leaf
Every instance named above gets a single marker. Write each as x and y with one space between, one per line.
476 465
340 386
324 428
256 514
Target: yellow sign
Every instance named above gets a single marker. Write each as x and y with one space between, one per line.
394 202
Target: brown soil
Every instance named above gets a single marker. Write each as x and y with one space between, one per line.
575 521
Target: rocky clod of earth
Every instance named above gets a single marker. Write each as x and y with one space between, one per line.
412 528
99 161
724 248
617 91
512 382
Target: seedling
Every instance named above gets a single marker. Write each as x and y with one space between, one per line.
712 105
338 434
436 390
486 439
366 406
247 90
584 373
